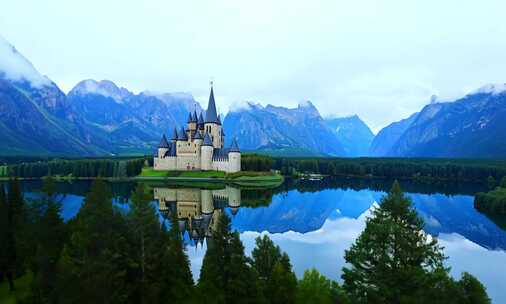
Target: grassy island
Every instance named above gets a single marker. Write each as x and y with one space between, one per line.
243 178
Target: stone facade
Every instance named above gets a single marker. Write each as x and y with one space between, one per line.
199 146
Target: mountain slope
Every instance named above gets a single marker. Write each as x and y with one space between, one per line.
274 128
473 126
353 133
389 135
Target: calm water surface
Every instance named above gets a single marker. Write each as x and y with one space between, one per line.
314 222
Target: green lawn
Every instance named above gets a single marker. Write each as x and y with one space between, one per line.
149 172
22 289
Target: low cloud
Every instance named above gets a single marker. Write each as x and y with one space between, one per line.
15 67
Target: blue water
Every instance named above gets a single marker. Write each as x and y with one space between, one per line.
315 228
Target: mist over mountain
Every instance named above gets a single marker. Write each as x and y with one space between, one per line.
470 127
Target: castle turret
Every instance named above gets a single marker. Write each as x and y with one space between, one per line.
197 138
163 147
212 123
174 135
200 122
206 152
234 157
192 122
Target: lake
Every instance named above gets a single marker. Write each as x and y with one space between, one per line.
315 221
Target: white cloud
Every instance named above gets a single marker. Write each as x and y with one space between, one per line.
15 67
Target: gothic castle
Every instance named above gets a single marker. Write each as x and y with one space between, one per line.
199 146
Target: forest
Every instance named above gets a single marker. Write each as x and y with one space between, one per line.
108 254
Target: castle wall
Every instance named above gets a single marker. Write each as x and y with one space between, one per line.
234 159
166 163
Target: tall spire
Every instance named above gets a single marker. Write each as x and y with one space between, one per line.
211 115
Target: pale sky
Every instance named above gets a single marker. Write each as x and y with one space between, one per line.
381 60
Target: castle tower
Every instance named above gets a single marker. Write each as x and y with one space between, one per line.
234 157
212 124
163 147
206 151
192 122
174 135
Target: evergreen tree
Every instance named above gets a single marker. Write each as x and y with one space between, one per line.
94 262
146 247
4 218
282 284
226 276
15 246
314 288
473 292
491 182
275 271
50 239
393 260
176 276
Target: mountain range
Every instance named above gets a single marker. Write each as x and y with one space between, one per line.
100 118
470 127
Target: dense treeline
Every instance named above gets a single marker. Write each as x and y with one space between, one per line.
493 203
116 168
256 162
107 255
400 168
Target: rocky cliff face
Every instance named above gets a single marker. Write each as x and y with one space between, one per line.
471 127
300 130
353 133
388 136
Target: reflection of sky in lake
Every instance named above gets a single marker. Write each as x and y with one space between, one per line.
315 228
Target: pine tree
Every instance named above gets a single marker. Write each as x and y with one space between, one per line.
3 232
314 288
16 233
226 275
147 245
393 260
275 271
472 291
176 276
94 263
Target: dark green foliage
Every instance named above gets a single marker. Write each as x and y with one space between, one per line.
95 261
3 232
17 244
393 261
176 277
491 182
492 202
226 275
472 291
503 182
50 232
256 162
429 169
275 271
117 168
314 288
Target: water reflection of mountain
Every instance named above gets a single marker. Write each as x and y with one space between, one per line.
197 209
307 211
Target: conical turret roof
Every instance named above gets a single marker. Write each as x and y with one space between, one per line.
182 134
211 115
197 135
207 140
174 134
234 147
163 142
201 119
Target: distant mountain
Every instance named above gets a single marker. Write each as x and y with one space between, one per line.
300 130
353 133
96 118
471 127
389 135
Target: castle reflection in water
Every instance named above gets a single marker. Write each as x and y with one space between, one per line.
197 210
